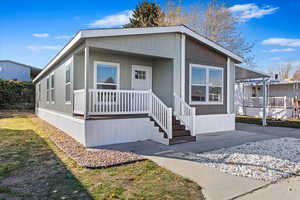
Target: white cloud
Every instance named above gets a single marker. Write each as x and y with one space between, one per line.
282 50
43 47
115 20
62 37
282 42
40 35
249 11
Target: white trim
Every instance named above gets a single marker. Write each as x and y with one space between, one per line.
48 89
68 63
182 78
135 31
207 85
228 84
52 88
117 65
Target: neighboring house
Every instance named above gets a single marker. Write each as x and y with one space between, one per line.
10 70
282 98
110 86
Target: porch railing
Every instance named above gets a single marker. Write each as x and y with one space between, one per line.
112 102
272 102
185 113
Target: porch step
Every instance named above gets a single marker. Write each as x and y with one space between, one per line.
180 134
182 139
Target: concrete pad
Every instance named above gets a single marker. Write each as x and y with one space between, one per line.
215 184
288 189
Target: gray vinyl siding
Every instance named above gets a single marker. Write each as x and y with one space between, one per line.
232 86
197 53
12 71
162 70
165 45
59 76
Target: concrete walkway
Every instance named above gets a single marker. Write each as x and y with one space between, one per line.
217 185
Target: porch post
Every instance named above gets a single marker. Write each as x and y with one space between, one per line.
86 84
228 86
182 77
264 120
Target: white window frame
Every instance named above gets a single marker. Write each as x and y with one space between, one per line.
117 65
48 95
207 85
39 91
68 63
51 89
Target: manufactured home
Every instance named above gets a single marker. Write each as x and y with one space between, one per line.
283 98
167 84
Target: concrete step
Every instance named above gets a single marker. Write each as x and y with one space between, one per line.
182 139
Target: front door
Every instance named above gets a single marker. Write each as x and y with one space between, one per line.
141 77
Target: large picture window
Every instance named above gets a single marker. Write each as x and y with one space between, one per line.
206 84
107 75
68 83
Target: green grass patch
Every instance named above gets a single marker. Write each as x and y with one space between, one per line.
292 123
32 167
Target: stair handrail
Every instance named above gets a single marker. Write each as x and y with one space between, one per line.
160 113
185 113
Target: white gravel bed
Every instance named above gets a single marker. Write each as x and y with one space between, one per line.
268 160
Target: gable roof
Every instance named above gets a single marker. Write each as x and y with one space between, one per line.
34 70
91 33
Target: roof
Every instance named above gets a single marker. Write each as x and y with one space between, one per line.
244 73
34 69
91 33
274 82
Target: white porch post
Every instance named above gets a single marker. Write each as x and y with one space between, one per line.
86 84
264 120
182 67
228 85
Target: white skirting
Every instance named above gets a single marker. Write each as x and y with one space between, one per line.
92 133
278 113
114 131
70 125
214 123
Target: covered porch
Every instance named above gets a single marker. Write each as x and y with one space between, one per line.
116 83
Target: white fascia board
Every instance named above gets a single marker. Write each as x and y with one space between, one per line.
128 31
136 31
76 38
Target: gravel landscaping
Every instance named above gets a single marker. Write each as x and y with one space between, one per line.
90 158
268 160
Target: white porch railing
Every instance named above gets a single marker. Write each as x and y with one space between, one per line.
161 114
272 102
102 102
111 102
79 101
185 113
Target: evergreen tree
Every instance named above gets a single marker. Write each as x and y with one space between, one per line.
146 14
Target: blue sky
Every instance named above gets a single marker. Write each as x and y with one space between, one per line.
32 32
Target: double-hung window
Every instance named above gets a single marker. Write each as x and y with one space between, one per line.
48 89
68 83
52 87
206 85
107 75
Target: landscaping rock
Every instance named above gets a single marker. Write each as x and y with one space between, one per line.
95 158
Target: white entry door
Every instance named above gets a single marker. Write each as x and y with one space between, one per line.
141 77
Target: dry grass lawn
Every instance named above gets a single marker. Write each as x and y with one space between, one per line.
32 167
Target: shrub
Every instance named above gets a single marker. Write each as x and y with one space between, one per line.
16 94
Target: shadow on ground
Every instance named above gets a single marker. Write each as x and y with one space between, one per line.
29 169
